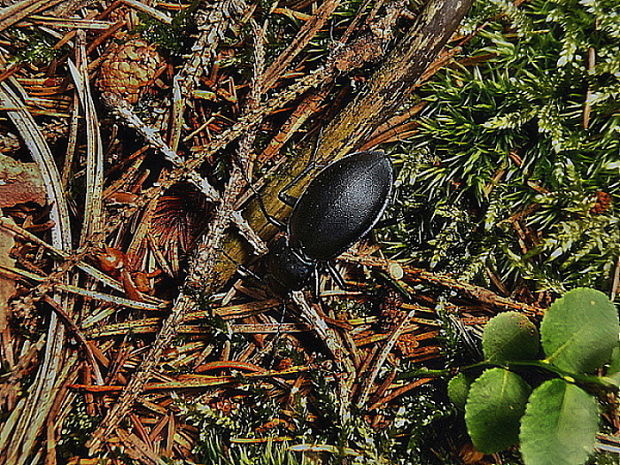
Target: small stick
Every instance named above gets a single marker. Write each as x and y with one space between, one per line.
616 283
587 107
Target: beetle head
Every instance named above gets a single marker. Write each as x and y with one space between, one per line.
287 267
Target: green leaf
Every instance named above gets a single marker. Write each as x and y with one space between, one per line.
580 330
458 389
494 407
510 336
559 426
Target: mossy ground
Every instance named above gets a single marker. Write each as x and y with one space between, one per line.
509 169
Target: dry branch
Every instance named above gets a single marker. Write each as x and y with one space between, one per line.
388 87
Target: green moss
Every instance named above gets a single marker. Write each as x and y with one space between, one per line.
34 47
502 174
76 430
171 38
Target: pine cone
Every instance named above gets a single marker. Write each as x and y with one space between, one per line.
128 69
391 314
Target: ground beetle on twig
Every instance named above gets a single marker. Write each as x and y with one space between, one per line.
339 206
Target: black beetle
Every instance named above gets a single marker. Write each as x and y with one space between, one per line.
339 206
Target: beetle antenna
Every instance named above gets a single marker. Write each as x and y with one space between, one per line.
243 270
335 274
289 199
261 204
311 165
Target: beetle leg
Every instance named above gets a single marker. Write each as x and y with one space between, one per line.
276 338
252 238
334 273
317 283
243 270
271 219
287 199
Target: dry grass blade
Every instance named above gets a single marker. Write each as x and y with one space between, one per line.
42 155
32 415
20 10
72 140
149 10
111 299
70 23
178 105
93 209
142 326
199 381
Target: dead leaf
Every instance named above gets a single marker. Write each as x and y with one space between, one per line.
470 456
20 183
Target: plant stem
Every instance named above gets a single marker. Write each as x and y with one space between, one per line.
576 378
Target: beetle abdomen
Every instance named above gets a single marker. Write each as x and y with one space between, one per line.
341 204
